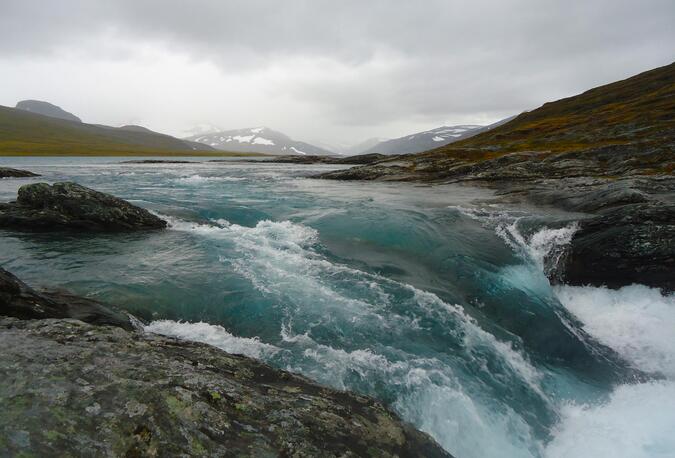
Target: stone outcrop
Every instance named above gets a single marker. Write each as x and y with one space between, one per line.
66 205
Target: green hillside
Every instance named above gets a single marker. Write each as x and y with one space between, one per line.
23 133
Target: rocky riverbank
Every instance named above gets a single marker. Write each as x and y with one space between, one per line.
105 388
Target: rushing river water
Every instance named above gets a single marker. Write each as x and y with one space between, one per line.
426 298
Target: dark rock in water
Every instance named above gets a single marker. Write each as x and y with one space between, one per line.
21 301
88 390
40 206
627 244
158 161
6 172
348 160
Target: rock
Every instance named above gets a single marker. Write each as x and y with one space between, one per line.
88 390
313 159
40 206
21 301
158 161
6 172
633 243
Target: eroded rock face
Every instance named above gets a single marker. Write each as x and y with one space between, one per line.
66 205
7 172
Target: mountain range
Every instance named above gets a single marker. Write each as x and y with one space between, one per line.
258 140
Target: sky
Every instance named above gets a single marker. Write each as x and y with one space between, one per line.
327 72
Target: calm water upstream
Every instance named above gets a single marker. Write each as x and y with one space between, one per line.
423 297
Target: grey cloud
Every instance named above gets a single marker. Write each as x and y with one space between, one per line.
449 58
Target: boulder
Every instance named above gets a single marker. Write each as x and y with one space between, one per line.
7 172
632 243
41 206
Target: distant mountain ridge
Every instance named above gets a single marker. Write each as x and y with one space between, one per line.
423 141
46 109
257 140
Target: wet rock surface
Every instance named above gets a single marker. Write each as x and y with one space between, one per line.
626 228
633 243
72 388
21 301
7 172
67 205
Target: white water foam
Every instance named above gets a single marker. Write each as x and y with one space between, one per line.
637 421
636 321
199 179
214 335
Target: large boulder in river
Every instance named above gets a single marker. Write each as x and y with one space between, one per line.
71 388
41 206
8 172
627 244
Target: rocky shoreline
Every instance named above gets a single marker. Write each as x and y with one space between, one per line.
82 379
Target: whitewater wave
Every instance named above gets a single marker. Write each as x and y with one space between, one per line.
285 262
214 335
199 179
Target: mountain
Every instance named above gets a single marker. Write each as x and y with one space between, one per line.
622 128
46 109
422 141
257 140
363 146
26 132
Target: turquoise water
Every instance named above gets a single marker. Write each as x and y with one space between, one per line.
430 299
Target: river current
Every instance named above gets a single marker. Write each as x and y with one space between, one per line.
430 299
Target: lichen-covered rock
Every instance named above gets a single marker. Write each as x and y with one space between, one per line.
70 388
7 172
41 206
74 389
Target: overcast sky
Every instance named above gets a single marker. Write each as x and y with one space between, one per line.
336 71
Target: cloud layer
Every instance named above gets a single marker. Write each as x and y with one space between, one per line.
321 70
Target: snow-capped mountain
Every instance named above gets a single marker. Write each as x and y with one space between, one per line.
257 140
423 141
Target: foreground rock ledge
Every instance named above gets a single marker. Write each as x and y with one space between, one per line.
67 205
74 388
